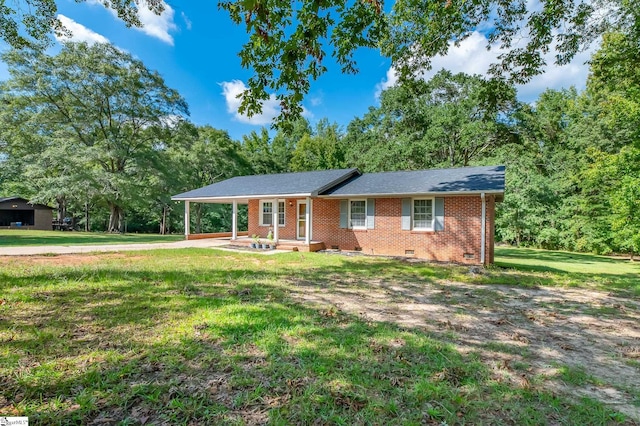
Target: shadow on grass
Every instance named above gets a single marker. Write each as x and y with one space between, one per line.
221 345
32 238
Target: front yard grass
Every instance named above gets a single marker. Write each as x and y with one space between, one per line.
208 337
23 237
546 267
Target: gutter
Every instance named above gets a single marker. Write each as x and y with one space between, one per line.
411 194
238 197
483 226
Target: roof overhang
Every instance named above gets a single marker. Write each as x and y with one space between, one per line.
242 199
499 194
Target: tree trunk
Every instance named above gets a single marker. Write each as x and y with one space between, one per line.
198 218
163 221
116 215
87 227
62 208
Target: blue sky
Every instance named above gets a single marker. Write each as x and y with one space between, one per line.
194 46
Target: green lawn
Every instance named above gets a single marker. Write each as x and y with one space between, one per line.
20 237
210 337
546 267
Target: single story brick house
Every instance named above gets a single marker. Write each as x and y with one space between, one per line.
17 212
439 214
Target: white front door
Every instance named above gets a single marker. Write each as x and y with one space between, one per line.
302 220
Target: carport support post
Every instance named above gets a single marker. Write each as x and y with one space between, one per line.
234 221
275 219
187 220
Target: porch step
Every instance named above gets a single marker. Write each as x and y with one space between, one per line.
315 246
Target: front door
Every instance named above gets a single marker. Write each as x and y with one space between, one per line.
302 220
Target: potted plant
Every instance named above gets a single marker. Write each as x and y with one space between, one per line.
272 244
256 241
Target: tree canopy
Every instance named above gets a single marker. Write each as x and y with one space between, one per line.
290 42
93 109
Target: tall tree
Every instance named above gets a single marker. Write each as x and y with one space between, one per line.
112 110
448 120
207 156
322 150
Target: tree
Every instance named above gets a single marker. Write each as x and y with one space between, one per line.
268 155
322 150
114 113
207 156
540 165
289 41
28 24
447 121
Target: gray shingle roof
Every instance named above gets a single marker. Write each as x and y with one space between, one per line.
10 198
310 183
24 200
460 180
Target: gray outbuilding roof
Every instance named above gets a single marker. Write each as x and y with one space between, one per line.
283 184
463 180
24 201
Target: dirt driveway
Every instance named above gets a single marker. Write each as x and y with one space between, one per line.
77 249
578 342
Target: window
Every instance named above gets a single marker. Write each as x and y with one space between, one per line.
266 216
280 213
358 213
423 214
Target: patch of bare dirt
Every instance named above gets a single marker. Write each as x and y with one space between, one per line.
521 333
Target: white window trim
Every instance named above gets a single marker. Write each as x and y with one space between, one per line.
433 214
284 213
365 214
261 220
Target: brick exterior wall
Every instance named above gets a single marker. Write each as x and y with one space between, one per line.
286 232
460 237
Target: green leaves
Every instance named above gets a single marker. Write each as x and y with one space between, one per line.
95 119
446 122
290 41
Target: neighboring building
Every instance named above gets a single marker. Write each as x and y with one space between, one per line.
16 212
440 214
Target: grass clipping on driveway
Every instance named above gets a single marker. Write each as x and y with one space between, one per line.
210 337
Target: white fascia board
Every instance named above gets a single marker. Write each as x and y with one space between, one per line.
237 197
410 194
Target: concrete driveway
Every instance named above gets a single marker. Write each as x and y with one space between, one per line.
36 250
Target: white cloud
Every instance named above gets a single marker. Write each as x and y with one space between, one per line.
158 26
472 57
232 89
317 100
186 20
78 32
